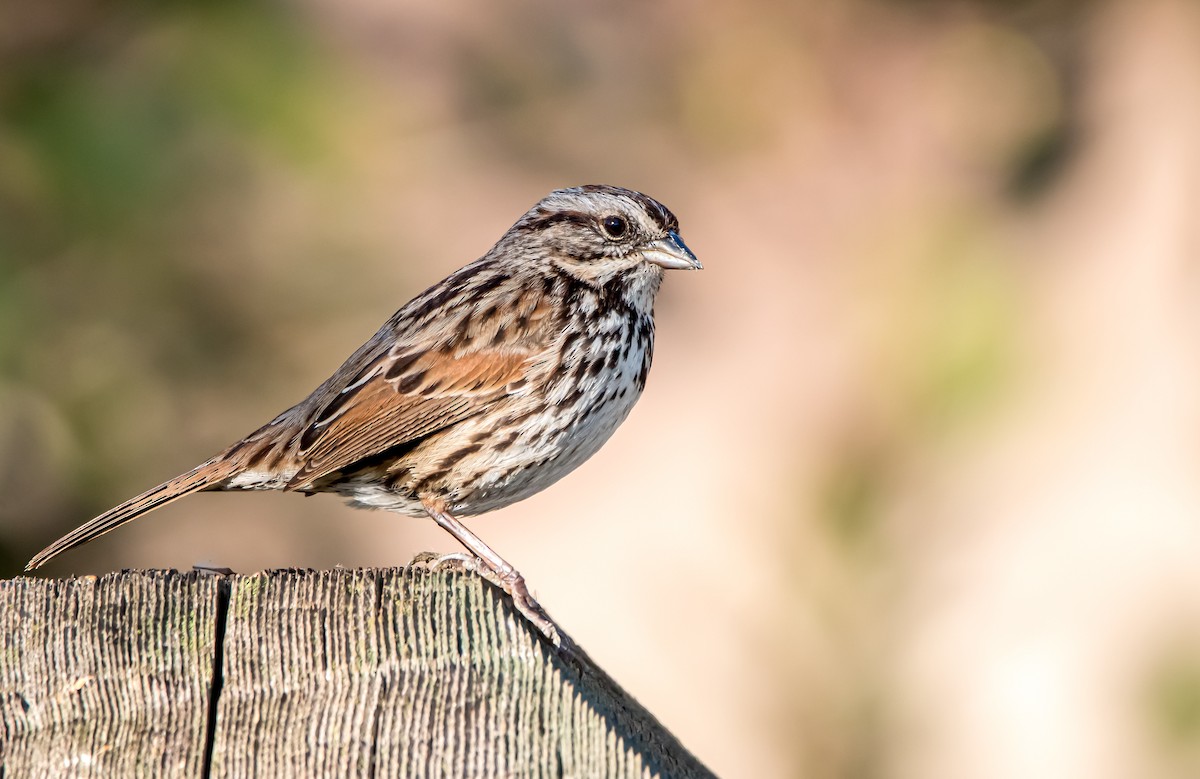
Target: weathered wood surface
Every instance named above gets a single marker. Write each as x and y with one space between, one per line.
344 673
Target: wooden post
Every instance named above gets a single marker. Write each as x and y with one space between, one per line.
343 673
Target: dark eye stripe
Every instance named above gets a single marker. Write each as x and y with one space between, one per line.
542 221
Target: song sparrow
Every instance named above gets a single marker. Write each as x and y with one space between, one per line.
490 386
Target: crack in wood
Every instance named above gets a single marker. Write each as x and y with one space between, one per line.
218 672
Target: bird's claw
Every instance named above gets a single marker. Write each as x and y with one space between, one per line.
453 561
512 583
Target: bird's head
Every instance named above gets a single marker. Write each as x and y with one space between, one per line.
602 235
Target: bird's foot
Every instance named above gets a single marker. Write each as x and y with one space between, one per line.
453 561
514 584
510 582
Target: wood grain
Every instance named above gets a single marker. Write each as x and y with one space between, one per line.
346 673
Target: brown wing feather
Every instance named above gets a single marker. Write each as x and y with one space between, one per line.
484 342
432 391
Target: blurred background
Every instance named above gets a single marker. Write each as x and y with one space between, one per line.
912 490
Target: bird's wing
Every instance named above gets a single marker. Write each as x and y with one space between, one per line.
449 354
404 396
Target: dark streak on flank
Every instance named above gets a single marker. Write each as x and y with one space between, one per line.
458 454
644 372
428 484
573 396
569 340
392 482
505 443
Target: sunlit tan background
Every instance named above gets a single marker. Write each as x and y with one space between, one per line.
913 489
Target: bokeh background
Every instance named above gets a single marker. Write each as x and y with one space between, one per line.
912 490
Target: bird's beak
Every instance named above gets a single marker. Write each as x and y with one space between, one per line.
671 253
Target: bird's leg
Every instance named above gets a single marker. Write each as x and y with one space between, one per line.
494 568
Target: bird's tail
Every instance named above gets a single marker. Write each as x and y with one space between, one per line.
199 478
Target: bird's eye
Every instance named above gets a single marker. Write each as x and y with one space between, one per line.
614 226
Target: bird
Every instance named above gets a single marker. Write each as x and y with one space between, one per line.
481 391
